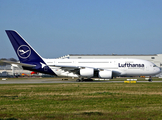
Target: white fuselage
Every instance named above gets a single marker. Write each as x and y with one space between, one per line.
124 67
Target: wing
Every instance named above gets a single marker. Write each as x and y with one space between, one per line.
73 69
76 69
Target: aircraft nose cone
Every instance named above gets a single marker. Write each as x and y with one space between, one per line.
158 70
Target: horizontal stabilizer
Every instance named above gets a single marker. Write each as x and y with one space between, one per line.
21 64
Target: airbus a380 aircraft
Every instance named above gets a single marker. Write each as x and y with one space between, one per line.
81 68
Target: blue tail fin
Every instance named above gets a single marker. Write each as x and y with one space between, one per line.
23 50
27 54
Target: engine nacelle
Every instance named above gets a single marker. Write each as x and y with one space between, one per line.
105 74
87 72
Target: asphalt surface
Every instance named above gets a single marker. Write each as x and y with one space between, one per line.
51 80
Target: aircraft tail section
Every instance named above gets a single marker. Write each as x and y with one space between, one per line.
23 50
27 54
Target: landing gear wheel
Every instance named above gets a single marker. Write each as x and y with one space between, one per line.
82 79
150 80
78 80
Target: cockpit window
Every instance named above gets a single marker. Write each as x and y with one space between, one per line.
154 65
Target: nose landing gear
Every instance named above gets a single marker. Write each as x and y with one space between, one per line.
150 79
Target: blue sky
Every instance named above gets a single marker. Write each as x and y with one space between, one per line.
59 27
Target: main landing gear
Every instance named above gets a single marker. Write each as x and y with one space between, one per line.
82 79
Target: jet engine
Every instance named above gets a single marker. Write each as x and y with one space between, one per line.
87 72
105 74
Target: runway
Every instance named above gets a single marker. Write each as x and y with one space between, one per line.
52 80
42 80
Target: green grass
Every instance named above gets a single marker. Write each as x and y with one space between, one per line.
81 101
